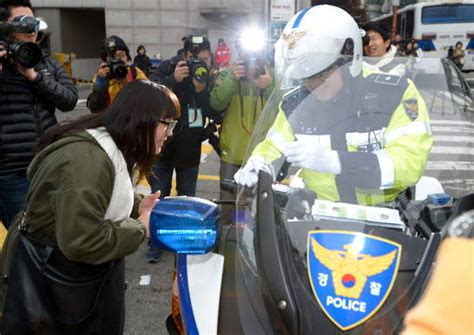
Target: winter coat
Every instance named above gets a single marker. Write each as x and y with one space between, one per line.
80 243
223 55
184 148
27 110
143 63
105 90
389 63
241 102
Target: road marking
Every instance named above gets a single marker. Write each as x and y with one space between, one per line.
467 130
447 138
449 166
81 101
208 177
458 181
452 150
454 97
206 148
452 122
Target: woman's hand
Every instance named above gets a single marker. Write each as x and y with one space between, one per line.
148 202
145 208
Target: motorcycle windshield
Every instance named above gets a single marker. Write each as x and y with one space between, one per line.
338 233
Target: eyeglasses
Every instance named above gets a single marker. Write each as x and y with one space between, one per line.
170 125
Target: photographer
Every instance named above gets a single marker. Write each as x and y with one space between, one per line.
33 85
240 92
189 79
113 74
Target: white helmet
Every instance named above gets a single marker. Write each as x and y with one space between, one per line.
316 38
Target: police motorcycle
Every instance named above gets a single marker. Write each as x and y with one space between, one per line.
340 245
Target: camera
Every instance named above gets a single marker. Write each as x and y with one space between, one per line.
198 70
254 66
25 54
251 48
118 69
197 67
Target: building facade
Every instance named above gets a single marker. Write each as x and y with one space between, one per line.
79 26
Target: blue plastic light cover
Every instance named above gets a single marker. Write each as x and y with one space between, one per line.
439 199
185 225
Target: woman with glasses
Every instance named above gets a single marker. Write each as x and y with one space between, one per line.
63 258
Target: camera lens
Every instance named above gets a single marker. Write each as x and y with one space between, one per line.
120 71
27 54
200 72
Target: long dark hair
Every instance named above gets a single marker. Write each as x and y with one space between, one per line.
131 120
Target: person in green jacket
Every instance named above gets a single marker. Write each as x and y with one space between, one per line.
240 93
63 257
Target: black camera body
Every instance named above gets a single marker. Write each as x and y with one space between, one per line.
118 69
25 54
254 66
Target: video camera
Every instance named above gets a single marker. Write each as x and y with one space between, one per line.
251 47
25 54
118 69
197 67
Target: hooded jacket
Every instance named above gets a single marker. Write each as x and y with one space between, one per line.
241 102
27 110
71 185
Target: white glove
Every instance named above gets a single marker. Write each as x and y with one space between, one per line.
248 175
313 156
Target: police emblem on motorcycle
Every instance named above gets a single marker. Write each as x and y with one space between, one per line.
351 274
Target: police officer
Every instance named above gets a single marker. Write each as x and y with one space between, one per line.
359 137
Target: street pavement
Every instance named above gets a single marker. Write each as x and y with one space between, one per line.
452 161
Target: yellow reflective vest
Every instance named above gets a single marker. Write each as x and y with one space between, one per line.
382 153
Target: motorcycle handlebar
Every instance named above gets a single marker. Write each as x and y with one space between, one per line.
229 185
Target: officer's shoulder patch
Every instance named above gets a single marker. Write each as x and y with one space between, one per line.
411 108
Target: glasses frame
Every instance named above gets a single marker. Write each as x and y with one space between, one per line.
170 125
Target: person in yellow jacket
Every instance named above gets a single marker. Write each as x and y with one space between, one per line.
447 306
358 136
113 74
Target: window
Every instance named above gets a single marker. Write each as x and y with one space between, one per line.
447 14
410 23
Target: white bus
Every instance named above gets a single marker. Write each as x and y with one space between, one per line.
437 26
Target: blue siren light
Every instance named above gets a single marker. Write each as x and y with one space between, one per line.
185 225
